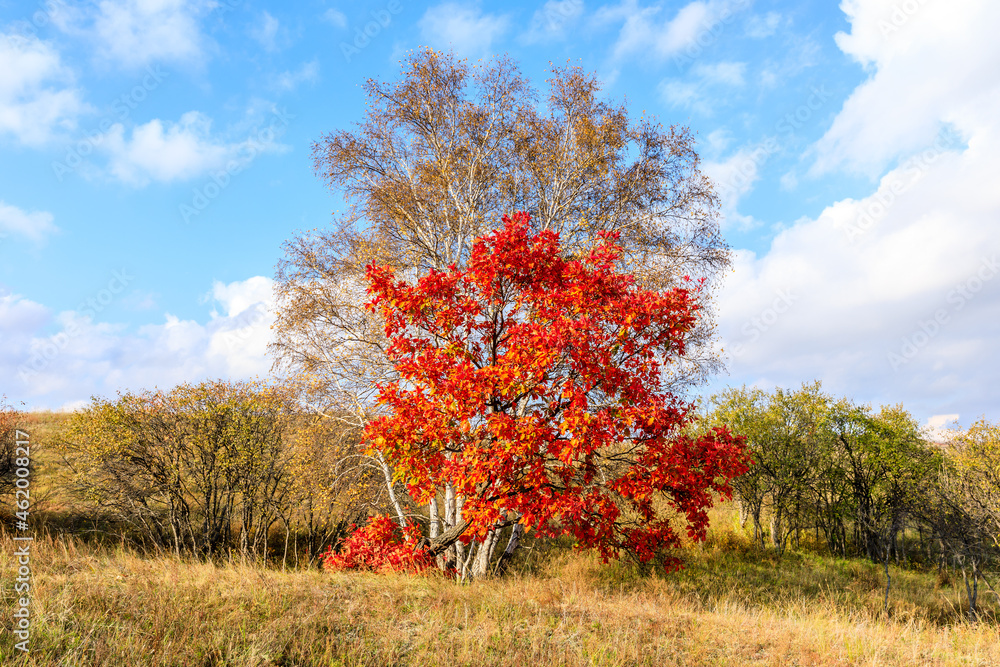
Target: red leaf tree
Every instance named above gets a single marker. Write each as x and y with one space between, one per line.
531 385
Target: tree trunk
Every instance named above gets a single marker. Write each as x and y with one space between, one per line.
481 566
758 529
400 517
445 540
973 591
434 528
888 581
512 544
463 570
459 547
777 534
449 523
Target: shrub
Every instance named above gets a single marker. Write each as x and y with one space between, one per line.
380 545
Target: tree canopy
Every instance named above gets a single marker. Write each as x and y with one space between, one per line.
442 154
532 385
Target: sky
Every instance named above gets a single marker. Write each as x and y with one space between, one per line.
156 154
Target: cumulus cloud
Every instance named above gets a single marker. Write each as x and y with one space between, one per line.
134 33
83 356
38 97
941 428
19 315
463 28
931 63
897 292
35 226
166 151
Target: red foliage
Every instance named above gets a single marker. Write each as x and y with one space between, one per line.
533 384
380 545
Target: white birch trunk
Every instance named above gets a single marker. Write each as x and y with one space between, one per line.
459 547
480 567
400 516
434 529
449 521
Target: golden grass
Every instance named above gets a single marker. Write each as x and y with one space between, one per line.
104 606
94 604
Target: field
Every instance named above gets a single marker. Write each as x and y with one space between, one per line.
95 603
109 606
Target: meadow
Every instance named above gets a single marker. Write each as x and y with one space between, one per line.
95 601
731 605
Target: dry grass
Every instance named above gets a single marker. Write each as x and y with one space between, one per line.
101 605
93 606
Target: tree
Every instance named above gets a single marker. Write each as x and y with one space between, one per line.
827 464
884 461
785 437
440 156
533 386
330 485
977 459
9 418
200 469
965 505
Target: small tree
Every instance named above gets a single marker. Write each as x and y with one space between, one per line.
200 469
784 435
8 444
965 513
977 459
532 385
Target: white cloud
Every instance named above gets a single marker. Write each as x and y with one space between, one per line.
166 151
84 357
895 296
134 33
238 297
34 226
734 177
551 22
683 94
929 66
727 73
940 428
897 292
717 141
37 93
652 32
266 32
463 28
290 80
701 93
19 315
760 27
334 17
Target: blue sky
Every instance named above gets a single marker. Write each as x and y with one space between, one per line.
156 154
